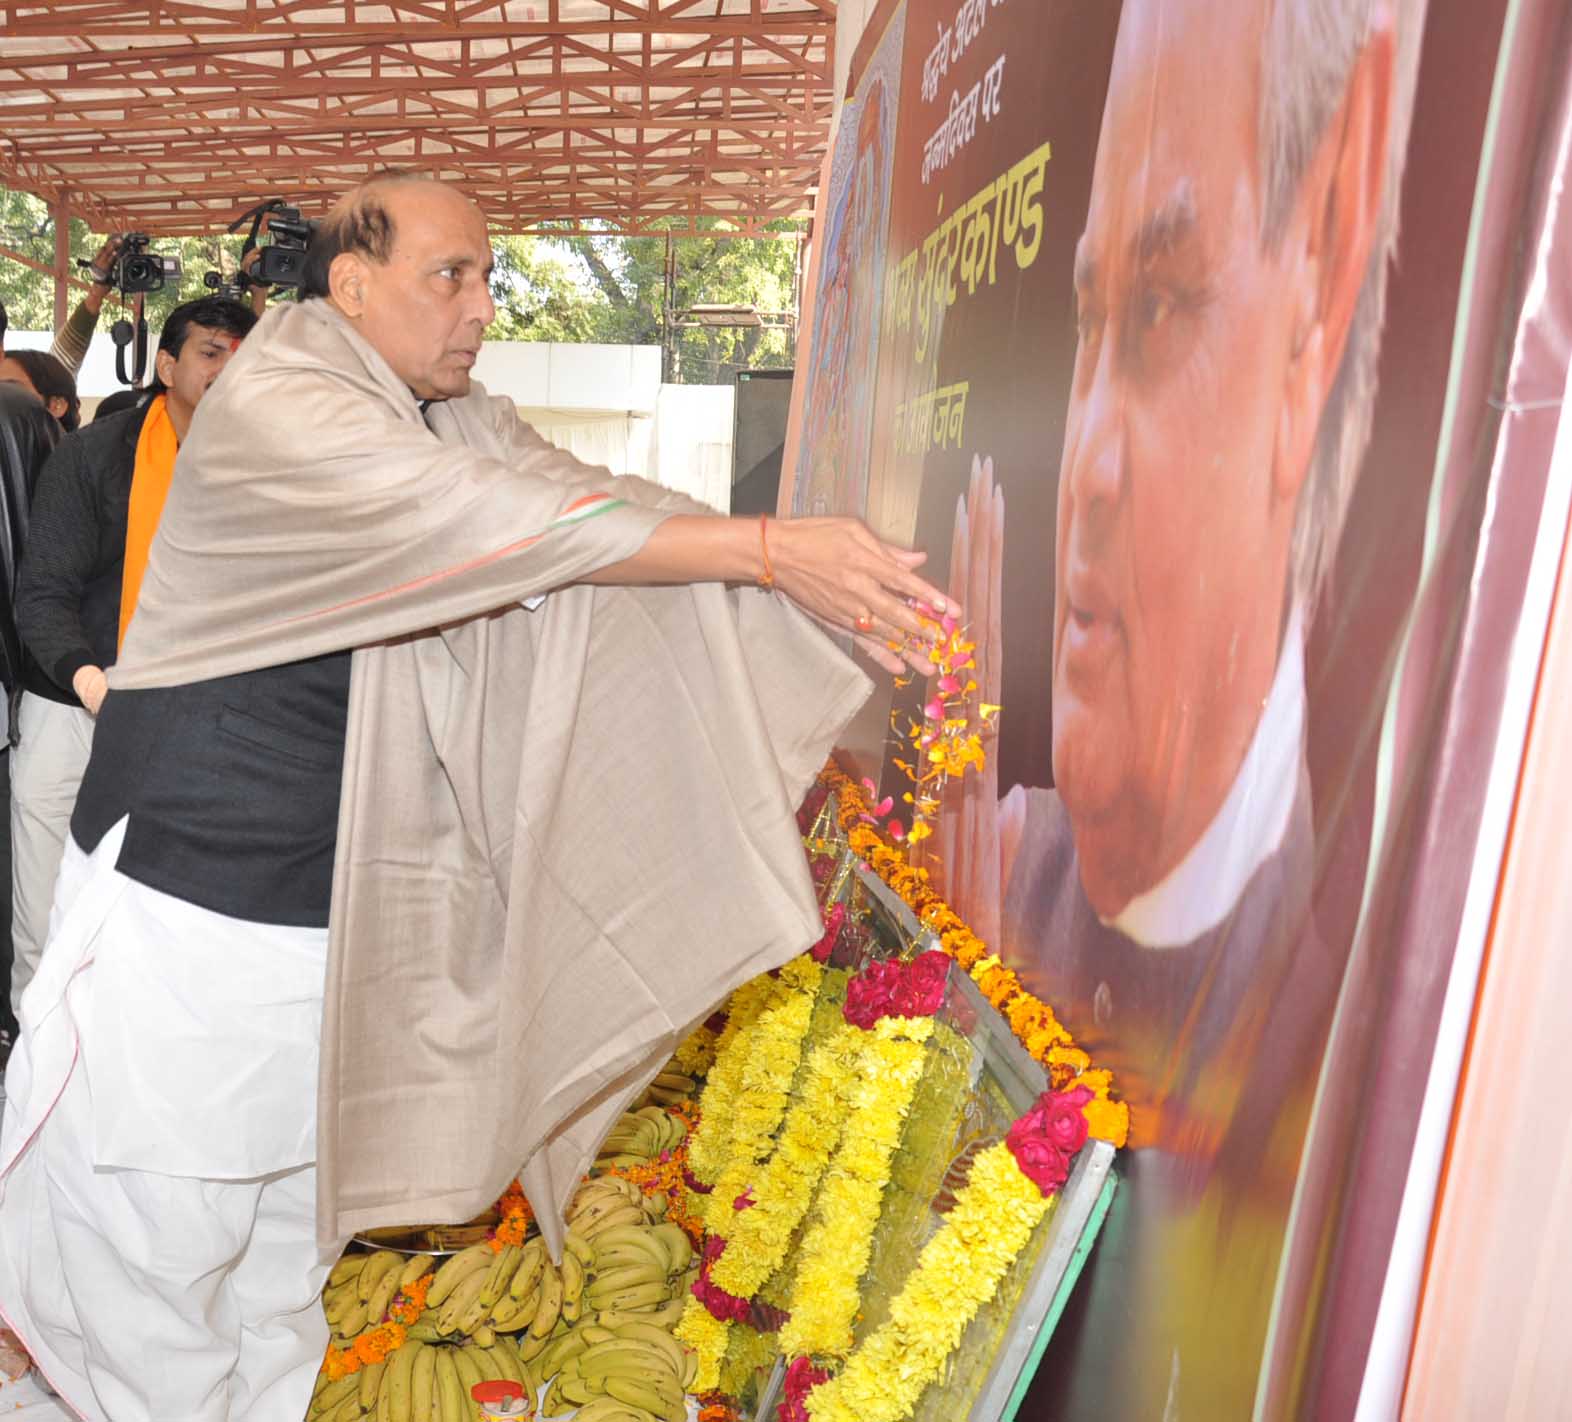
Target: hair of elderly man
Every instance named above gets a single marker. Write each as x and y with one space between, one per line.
1310 50
358 222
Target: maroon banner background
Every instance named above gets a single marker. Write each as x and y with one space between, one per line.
1225 871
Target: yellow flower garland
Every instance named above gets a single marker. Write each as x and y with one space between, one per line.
707 1146
959 1270
707 1336
695 1054
757 1238
834 1254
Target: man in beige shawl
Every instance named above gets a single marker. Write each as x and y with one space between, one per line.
396 655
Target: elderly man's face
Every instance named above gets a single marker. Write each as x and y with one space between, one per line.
426 308
1174 514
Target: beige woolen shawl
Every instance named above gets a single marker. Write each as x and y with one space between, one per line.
566 833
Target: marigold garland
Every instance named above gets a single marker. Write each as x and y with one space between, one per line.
959 1270
834 1254
708 1144
517 1218
757 1089
695 1054
757 1239
375 1344
1031 1019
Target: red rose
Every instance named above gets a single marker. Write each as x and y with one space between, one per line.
865 1005
832 931
1065 1122
906 1000
929 973
884 976
1041 1162
801 1379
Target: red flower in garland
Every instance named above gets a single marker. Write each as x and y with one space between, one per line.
801 1379
1047 1137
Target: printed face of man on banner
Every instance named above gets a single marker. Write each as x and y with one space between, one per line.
1220 398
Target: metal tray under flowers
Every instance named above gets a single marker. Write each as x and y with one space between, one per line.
999 1355
431 1239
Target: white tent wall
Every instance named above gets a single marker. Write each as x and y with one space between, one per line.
604 404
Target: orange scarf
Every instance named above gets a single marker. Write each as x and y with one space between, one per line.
156 448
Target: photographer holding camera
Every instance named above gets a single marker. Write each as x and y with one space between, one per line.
94 513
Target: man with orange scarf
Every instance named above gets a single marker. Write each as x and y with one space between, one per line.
95 511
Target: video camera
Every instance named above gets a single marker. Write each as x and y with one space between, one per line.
137 270
283 260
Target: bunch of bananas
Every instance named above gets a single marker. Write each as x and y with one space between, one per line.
671 1088
599 1329
618 1362
642 1135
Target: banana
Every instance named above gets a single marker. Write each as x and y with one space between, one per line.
646 1271
417 1266
659 1338
576 1390
627 1213
400 1381
531 1266
382 1294
572 1287
629 1357
679 1247
483 1335
675 1081
550 1309
334 1393
455 1270
352 1322
630 1244
690 1368
608 1409
655 1207
460 1301
666 1316
370 1385
424 1330
593 1333
348 1410
371 1275
667 1097
513 1314
452 1400
531 1347
346 1270
482 1360
580 1248
633 1297
597 1210
592 1192
423 1385
663 1401
339 1305
506 1359
467 1361
554 1357
501 1273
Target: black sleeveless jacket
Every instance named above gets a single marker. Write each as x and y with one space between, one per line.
231 785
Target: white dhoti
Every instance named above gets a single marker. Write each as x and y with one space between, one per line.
157 1185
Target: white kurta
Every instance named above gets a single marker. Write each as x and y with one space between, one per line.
157 1193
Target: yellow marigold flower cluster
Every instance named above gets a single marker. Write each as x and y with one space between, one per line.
707 1144
959 1271
707 1336
695 1054
826 1292
757 1238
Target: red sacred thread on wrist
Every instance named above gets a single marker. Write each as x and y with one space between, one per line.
767 577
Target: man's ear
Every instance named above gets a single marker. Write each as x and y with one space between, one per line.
347 283
164 367
1337 221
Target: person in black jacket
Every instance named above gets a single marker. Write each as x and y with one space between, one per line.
68 604
27 435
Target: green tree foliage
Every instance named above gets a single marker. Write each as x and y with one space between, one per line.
615 286
26 226
586 288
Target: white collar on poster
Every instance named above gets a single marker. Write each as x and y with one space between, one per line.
1207 884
